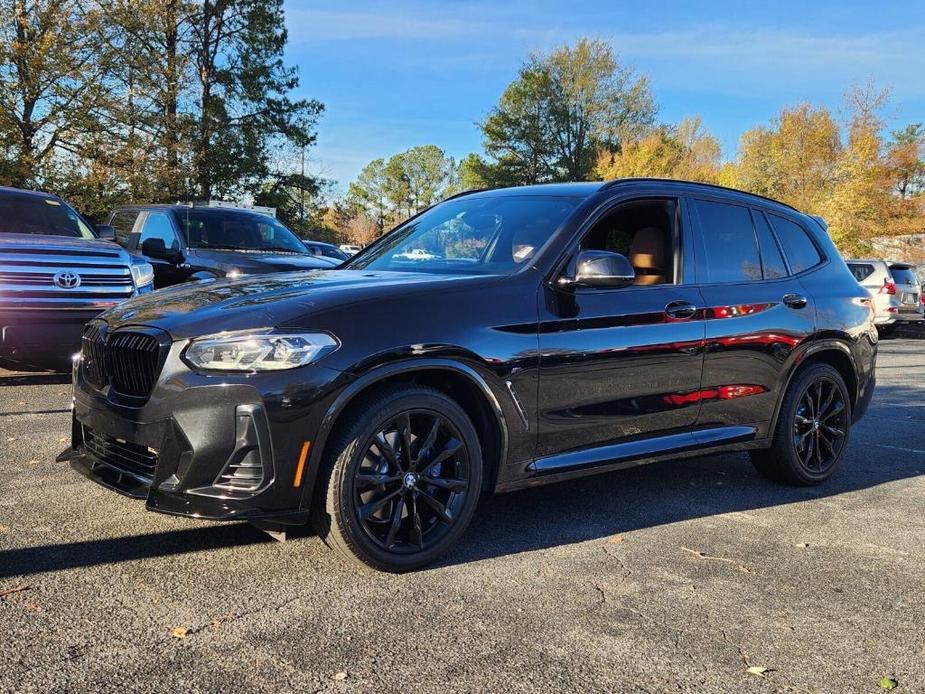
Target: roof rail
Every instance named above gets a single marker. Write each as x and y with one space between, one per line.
617 181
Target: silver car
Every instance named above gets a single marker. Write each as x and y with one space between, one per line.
895 290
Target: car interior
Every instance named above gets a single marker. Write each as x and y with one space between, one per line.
643 232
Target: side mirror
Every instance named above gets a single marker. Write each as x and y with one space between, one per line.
106 232
155 248
599 269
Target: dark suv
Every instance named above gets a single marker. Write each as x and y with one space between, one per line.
186 242
498 340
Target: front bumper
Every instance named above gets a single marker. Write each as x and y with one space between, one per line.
220 447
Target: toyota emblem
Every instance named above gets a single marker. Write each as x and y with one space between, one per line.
66 280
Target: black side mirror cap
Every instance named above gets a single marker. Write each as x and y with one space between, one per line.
105 232
592 268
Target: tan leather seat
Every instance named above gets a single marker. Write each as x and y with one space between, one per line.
647 254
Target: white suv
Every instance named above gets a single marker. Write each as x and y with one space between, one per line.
895 290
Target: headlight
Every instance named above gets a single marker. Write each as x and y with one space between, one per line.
258 352
142 274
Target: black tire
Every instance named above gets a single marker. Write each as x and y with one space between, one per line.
380 493
812 431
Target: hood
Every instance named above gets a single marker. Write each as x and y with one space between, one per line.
255 263
51 242
278 300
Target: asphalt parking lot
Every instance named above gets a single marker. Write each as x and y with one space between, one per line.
679 576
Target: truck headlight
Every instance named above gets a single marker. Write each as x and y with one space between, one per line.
142 274
258 351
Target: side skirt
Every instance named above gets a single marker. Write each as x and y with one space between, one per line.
619 456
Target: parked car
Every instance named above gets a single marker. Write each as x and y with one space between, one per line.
350 249
895 290
566 330
57 271
185 242
326 250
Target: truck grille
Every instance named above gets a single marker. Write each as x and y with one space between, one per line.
128 361
139 461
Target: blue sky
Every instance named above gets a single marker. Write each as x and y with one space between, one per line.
397 74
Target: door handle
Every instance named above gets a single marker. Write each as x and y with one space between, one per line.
681 310
795 300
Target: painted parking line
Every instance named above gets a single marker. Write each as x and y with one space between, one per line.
901 448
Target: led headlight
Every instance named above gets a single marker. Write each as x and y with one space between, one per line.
142 274
258 351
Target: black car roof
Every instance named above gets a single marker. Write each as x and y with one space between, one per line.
589 188
30 193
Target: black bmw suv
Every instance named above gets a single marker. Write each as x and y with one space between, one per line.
500 339
189 243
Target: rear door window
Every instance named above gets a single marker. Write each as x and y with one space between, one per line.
729 241
772 262
861 271
123 221
801 252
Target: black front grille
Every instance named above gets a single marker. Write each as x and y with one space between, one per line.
128 361
94 354
132 360
140 461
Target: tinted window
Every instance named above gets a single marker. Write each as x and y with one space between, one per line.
33 214
123 221
861 271
236 230
157 226
771 260
800 250
903 275
480 235
729 242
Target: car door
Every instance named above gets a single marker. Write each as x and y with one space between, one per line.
157 225
757 312
618 364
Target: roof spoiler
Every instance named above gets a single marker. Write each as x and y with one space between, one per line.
821 221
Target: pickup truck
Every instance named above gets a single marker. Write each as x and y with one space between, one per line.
57 271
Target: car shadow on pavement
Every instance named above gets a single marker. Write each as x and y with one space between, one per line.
43 378
568 512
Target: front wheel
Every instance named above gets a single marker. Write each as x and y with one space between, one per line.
401 481
812 429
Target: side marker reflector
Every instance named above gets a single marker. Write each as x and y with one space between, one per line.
303 456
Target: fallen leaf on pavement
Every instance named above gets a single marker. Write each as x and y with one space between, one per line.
888 683
616 540
340 676
701 555
179 632
757 670
10 591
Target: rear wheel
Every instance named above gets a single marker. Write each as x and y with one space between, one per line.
812 429
402 479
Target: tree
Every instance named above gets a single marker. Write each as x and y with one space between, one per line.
562 112
685 151
368 193
906 159
243 94
794 159
51 81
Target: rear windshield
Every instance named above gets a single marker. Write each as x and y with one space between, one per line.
33 214
238 231
903 275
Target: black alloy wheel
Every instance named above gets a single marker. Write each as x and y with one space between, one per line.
401 479
412 482
819 425
813 428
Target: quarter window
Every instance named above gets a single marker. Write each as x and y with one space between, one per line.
861 271
801 252
729 242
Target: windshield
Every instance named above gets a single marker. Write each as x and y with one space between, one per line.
478 235
237 230
33 214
